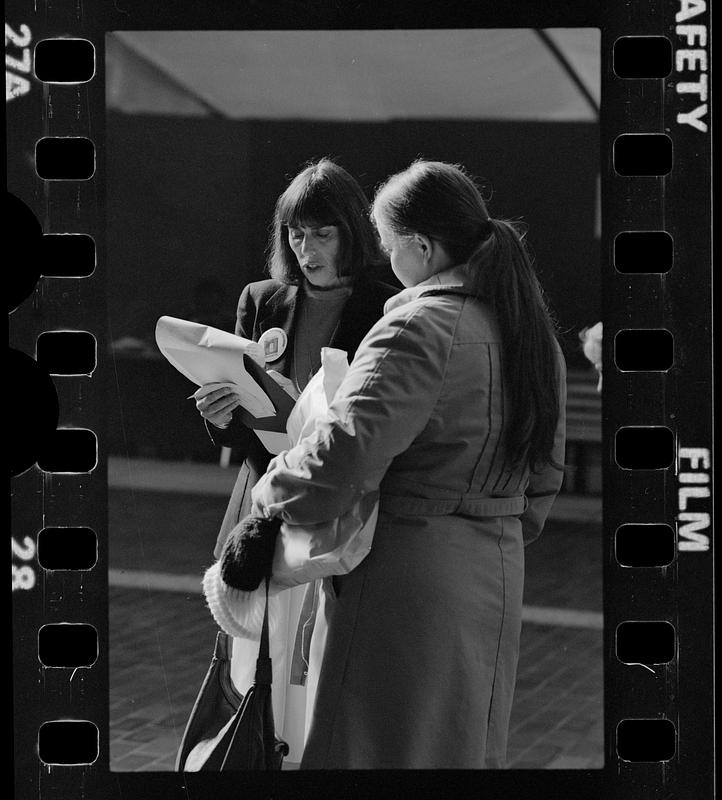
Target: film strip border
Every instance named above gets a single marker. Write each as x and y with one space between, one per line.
657 431
59 541
657 408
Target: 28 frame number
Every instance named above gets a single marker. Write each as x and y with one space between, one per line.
23 575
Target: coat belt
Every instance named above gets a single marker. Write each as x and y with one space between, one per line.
467 504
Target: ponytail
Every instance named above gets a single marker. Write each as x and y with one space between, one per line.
506 281
441 201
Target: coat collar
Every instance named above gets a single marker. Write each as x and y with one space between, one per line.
362 309
457 279
278 310
283 297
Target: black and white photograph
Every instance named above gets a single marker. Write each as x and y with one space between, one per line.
361 387
355 345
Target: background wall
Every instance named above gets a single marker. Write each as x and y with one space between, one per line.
191 198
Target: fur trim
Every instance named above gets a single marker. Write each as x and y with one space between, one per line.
238 613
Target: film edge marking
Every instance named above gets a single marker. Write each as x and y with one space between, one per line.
693 485
16 85
692 59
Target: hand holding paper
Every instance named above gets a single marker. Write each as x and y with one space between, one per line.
216 402
208 355
214 360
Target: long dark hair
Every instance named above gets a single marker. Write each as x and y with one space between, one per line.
442 202
323 194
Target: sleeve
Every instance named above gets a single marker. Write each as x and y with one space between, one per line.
383 404
544 485
237 434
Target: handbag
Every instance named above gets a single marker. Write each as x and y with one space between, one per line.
229 731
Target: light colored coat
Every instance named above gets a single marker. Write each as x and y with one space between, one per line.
423 636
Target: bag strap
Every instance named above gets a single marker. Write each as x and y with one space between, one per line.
264 667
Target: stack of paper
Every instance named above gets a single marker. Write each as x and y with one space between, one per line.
212 358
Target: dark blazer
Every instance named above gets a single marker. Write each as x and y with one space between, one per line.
270 304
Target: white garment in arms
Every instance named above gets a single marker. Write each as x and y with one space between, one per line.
292 704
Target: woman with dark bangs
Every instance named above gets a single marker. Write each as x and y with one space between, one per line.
320 294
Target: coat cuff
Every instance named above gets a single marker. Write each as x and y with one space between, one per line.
220 436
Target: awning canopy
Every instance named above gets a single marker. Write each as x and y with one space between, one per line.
357 75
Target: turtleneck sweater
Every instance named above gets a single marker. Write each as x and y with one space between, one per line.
318 317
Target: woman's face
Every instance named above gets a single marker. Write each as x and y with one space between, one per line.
318 251
407 258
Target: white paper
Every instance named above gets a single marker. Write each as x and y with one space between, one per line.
209 355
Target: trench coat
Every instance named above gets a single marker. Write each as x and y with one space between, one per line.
422 638
271 304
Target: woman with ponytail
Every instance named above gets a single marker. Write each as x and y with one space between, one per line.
453 408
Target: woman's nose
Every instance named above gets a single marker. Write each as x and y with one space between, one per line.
306 246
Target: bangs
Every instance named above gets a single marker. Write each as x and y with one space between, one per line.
323 194
307 206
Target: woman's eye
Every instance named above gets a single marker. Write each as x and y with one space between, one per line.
295 235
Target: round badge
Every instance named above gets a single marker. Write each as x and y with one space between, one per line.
274 343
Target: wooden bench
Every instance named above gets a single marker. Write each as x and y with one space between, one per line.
584 427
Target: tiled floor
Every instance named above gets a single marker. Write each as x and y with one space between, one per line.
161 642
556 720
157 669
160 646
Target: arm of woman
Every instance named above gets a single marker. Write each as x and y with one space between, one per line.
544 485
383 404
